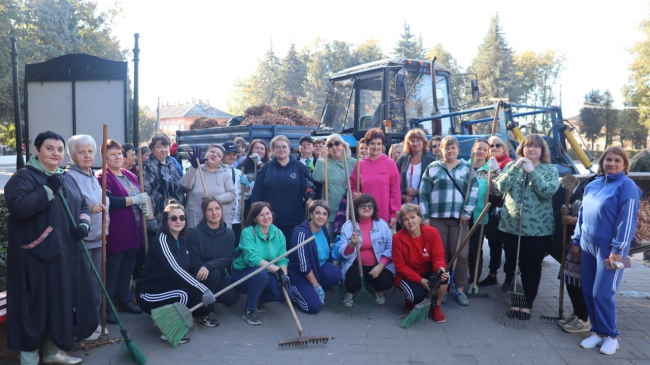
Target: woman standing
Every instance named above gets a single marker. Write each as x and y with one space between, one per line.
310 267
412 164
337 183
166 278
379 178
445 206
481 171
82 149
212 249
126 233
283 183
363 148
418 255
606 226
374 238
498 162
396 151
534 171
261 242
258 155
45 263
218 182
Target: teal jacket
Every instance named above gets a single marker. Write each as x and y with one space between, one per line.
336 181
481 175
255 247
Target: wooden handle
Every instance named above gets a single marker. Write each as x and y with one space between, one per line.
293 311
242 203
469 188
358 166
495 121
104 212
326 182
353 213
259 269
205 190
481 235
565 239
144 217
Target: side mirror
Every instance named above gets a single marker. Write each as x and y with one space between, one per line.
475 92
400 85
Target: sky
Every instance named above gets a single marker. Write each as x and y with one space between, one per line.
198 49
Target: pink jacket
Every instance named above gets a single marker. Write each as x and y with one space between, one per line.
380 178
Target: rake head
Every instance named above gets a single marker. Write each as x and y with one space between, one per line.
472 292
509 315
304 341
551 318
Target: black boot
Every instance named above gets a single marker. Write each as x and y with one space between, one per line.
489 280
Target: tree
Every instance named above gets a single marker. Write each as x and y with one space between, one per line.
293 74
8 134
266 80
495 67
445 59
630 128
637 91
407 46
238 100
591 123
367 51
609 117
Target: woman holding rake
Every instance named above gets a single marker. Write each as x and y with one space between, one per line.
535 179
166 278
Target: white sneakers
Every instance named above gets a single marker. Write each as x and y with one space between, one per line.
608 345
95 335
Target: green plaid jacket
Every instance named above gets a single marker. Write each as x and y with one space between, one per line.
439 198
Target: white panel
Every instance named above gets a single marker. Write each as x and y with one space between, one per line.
99 103
50 108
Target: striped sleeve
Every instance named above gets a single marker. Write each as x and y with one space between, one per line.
168 261
303 262
627 218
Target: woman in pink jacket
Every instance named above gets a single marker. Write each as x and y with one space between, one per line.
379 178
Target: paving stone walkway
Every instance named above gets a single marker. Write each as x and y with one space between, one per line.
470 335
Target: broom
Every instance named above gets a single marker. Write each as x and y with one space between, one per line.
134 352
419 313
174 320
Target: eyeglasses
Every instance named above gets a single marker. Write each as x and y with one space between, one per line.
496 145
175 218
281 147
367 206
332 144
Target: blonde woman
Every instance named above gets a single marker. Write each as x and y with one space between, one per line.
396 151
412 163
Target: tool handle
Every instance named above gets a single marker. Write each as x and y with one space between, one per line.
104 218
495 121
205 190
144 217
242 202
453 258
467 191
358 173
293 311
481 234
352 212
257 271
327 185
565 239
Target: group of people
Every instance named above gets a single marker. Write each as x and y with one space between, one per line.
238 207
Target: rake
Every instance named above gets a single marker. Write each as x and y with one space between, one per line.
301 340
419 313
174 320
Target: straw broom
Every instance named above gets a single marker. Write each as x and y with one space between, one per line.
174 320
419 313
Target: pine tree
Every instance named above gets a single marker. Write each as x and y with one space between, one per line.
609 117
266 81
495 67
407 46
293 74
368 51
591 122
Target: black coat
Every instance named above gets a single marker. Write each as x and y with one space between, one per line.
402 166
49 281
212 248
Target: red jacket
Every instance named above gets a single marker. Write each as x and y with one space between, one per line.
412 263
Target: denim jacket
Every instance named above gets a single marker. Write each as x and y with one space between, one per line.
382 244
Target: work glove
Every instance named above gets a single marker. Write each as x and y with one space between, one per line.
144 208
208 298
527 166
54 183
493 164
152 224
310 165
256 158
196 153
321 293
311 190
79 232
139 199
519 162
244 181
283 279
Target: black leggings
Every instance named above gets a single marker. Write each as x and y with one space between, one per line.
578 301
415 292
531 255
382 282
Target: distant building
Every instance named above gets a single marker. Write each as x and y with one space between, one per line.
179 116
599 143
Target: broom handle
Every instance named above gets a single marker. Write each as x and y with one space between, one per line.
453 258
293 311
257 271
358 174
469 188
565 231
103 307
352 212
144 217
205 190
481 237
241 203
496 118
326 182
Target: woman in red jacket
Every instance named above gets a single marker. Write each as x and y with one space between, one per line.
418 254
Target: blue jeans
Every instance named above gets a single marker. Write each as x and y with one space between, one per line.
263 287
119 267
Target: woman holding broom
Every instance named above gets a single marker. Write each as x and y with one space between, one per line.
45 263
533 178
166 278
418 254
373 236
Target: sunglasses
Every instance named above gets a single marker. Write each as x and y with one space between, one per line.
367 206
175 218
332 144
496 145
435 145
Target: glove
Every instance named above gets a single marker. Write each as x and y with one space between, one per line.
54 183
152 224
493 164
310 165
519 162
283 279
208 298
527 166
244 181
79 232
321 293
139 199
196 153
144 208
311 190
256 158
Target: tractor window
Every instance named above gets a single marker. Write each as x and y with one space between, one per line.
336 115
369 90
